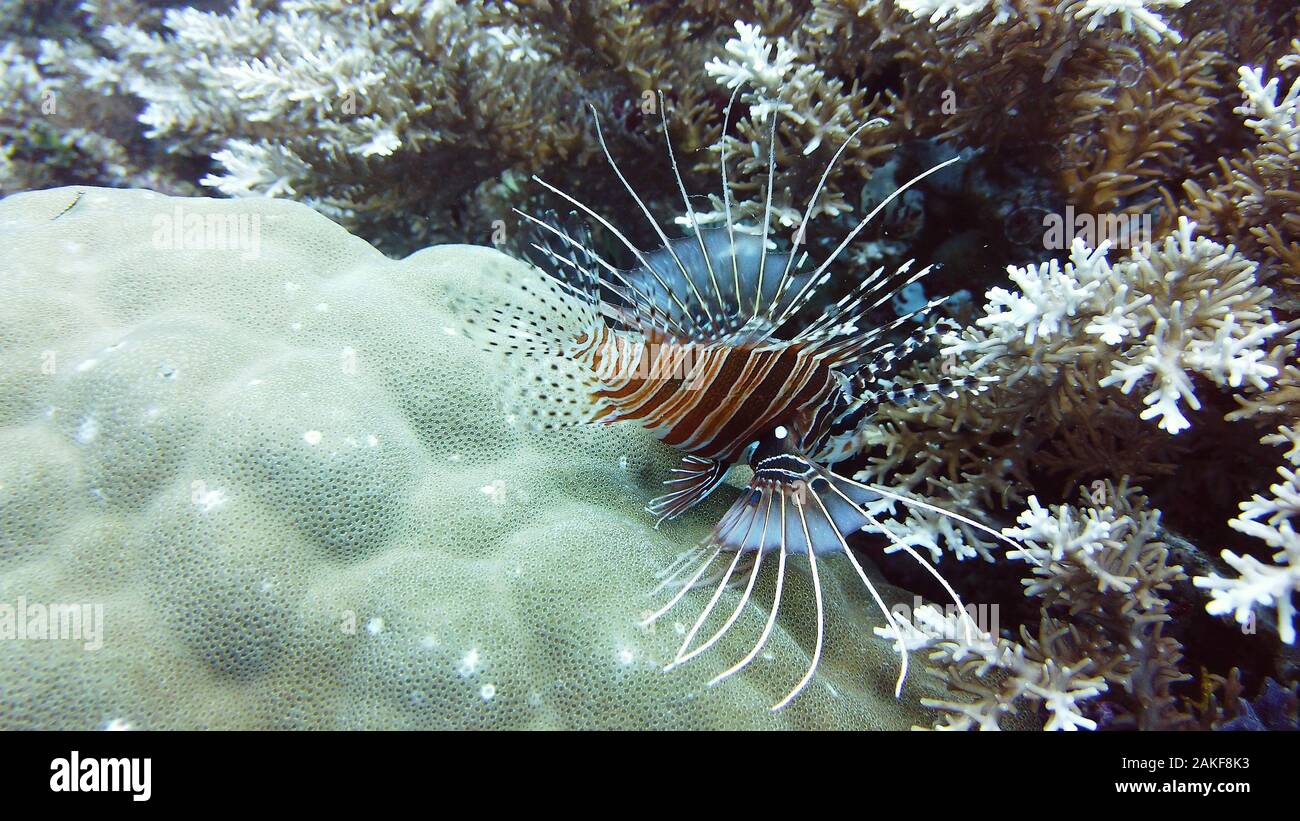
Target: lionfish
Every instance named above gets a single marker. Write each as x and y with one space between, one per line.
684 344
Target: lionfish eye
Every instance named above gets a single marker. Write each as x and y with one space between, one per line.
781 432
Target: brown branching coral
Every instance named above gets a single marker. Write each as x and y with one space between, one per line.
1075 339
1109 442
1253 199
1100 576
421 121
1127 127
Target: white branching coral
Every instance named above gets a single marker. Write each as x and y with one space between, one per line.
818 113
47 127
1046 298
996 675
1271 118
341 105
1099 575
1186 306
1096 559
941 10
776 80
1140 17
1134 15
1268 518
755 60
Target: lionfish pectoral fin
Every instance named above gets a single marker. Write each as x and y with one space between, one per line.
793 505
691 484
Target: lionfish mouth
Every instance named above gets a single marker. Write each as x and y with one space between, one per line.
597 342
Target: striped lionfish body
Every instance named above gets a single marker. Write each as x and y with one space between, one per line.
685 344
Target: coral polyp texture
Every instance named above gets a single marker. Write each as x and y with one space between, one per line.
287 485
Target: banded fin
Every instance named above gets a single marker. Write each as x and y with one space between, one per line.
739 285
696 480
889 358
950 387
848 434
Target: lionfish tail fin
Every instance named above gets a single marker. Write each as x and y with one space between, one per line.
540 325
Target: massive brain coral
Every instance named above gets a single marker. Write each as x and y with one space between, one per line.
272 462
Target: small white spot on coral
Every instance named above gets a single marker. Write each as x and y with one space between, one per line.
622 462
253 383
207 500
372 440
449 331
429 642
625 656
679 628
469 664
117 725
266 587
487 692
494 489
87 365
71 247
312 437
290 287
768 655
322 307
87 430
417 697
297 326
455 457
375 626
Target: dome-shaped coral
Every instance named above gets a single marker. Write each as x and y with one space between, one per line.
260 451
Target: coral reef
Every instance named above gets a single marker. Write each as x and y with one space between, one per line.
1099 578
248 455
1122 239
347 106
1275 709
